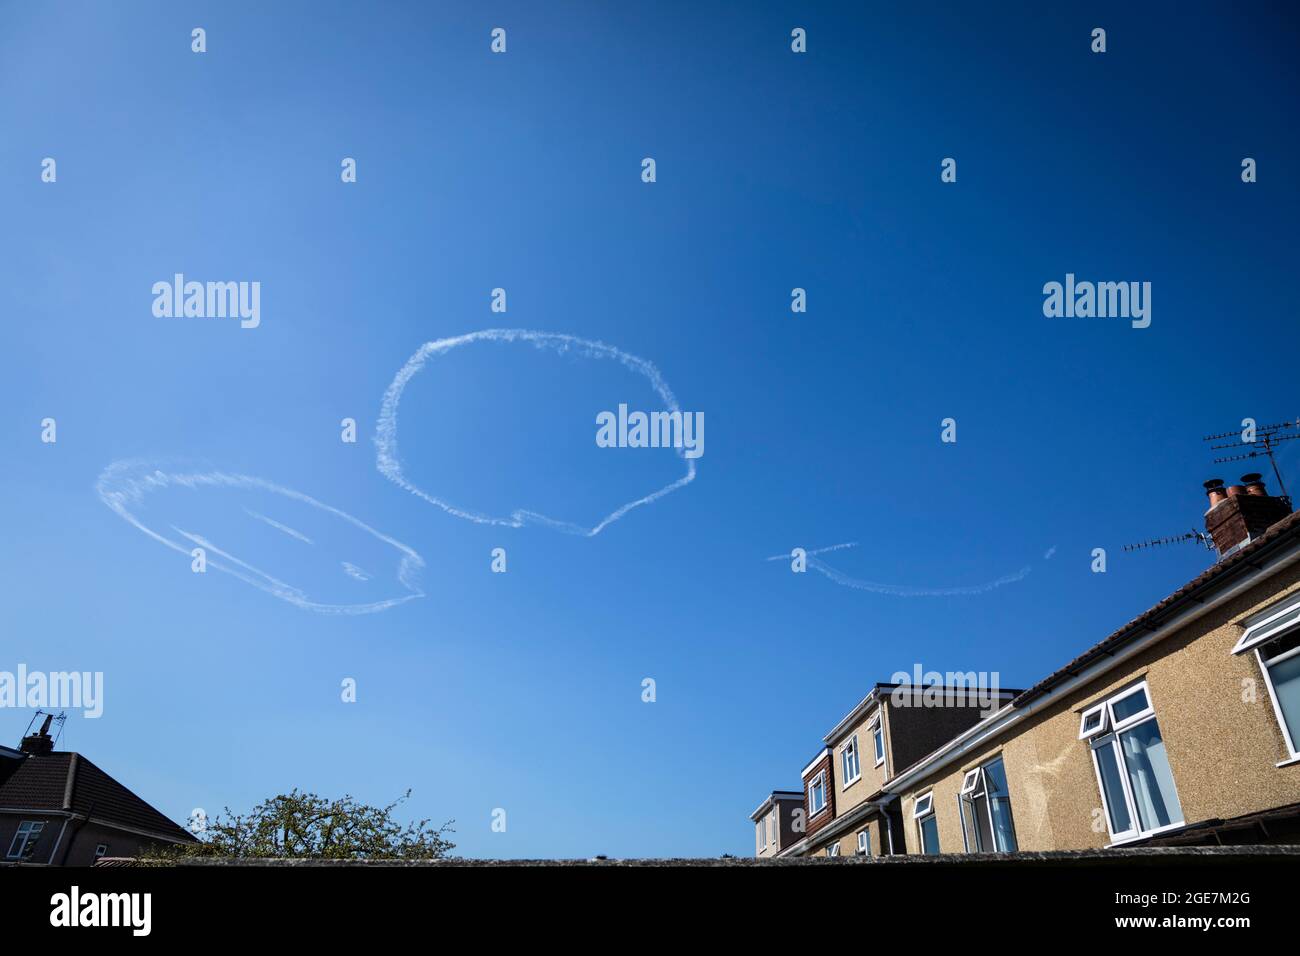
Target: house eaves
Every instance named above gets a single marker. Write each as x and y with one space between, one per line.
1273 552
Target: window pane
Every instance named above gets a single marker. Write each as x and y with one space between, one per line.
1286 688
1120 821
1277 648
929 835
968 825
1130 705
1149 776
1004 830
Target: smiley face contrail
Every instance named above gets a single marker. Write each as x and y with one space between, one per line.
390 465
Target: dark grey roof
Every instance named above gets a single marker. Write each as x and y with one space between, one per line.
56 781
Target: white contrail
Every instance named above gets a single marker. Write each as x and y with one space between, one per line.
390 464
833 547
279 527
124 484
897 590
903 590
352 571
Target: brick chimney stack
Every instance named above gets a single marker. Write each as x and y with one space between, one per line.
1241 513
40 742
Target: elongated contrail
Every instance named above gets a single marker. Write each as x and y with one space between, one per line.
833 547
279 527
123 485
898 590
390 465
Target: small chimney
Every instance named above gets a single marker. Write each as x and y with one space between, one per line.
1241 513
40 742
1214 488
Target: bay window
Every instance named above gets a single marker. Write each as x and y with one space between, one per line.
1133 774
1274 636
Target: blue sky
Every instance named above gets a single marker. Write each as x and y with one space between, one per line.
522 690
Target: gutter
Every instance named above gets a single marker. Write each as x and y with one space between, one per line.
1010 715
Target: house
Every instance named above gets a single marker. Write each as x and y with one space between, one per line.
846 809
57 808
1180 727
774 822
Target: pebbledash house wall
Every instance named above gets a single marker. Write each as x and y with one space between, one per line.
1223 749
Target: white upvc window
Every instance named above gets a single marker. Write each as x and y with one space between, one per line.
878 739
985 807
1093 721
1275 639
833 849
24 843
864 843
771 827
762 834
849 764
1133 774
927 827
817 794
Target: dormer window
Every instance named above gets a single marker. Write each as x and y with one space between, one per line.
817 794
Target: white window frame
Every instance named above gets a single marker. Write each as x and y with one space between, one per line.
762 835
812 788
1267 626
1085 732
850 749
1257 636
1265 666
878 740
864 843
24 833
922 809
1110 738
771 827
973 779
833 849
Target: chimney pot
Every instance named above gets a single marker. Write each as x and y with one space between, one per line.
1241 513
1254 483
1214 489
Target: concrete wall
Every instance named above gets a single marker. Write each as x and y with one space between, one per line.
1223 748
